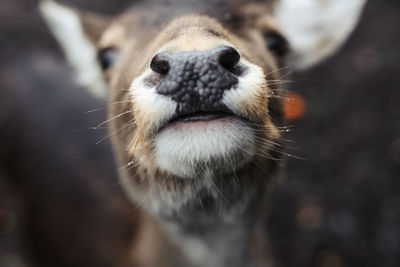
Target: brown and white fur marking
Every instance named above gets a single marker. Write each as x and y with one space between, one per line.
202 178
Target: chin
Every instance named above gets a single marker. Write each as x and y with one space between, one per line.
189 149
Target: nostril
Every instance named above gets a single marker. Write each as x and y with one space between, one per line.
160 64
229 57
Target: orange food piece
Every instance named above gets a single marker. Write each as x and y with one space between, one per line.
295 106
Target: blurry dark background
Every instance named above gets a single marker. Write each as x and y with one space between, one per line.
61 203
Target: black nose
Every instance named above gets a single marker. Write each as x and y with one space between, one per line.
197 80
160 63
228 58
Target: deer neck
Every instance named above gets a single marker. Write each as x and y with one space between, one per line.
220 244
221 233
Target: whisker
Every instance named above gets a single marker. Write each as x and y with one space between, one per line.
280 97
126 125
212 182
277 70
115 117
286 74
94 110
258 140
129 164
279 82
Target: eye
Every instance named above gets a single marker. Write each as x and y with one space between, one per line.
276 43
107 57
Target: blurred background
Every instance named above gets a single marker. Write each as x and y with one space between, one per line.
60 200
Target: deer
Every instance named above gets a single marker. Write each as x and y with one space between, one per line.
195 96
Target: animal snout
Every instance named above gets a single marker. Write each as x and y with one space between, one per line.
197 80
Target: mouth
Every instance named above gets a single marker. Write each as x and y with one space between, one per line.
200 116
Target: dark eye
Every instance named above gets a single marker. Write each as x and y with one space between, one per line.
107 57
276 43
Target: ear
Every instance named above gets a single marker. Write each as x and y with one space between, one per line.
77 33
315 29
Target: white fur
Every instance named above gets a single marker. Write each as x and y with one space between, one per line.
248 90
316 28
180 148
66 27
154 108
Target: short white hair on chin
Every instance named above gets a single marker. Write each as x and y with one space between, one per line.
180 149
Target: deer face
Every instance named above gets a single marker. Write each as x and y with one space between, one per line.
195 99
198 101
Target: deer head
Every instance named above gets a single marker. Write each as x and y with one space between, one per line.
196 102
